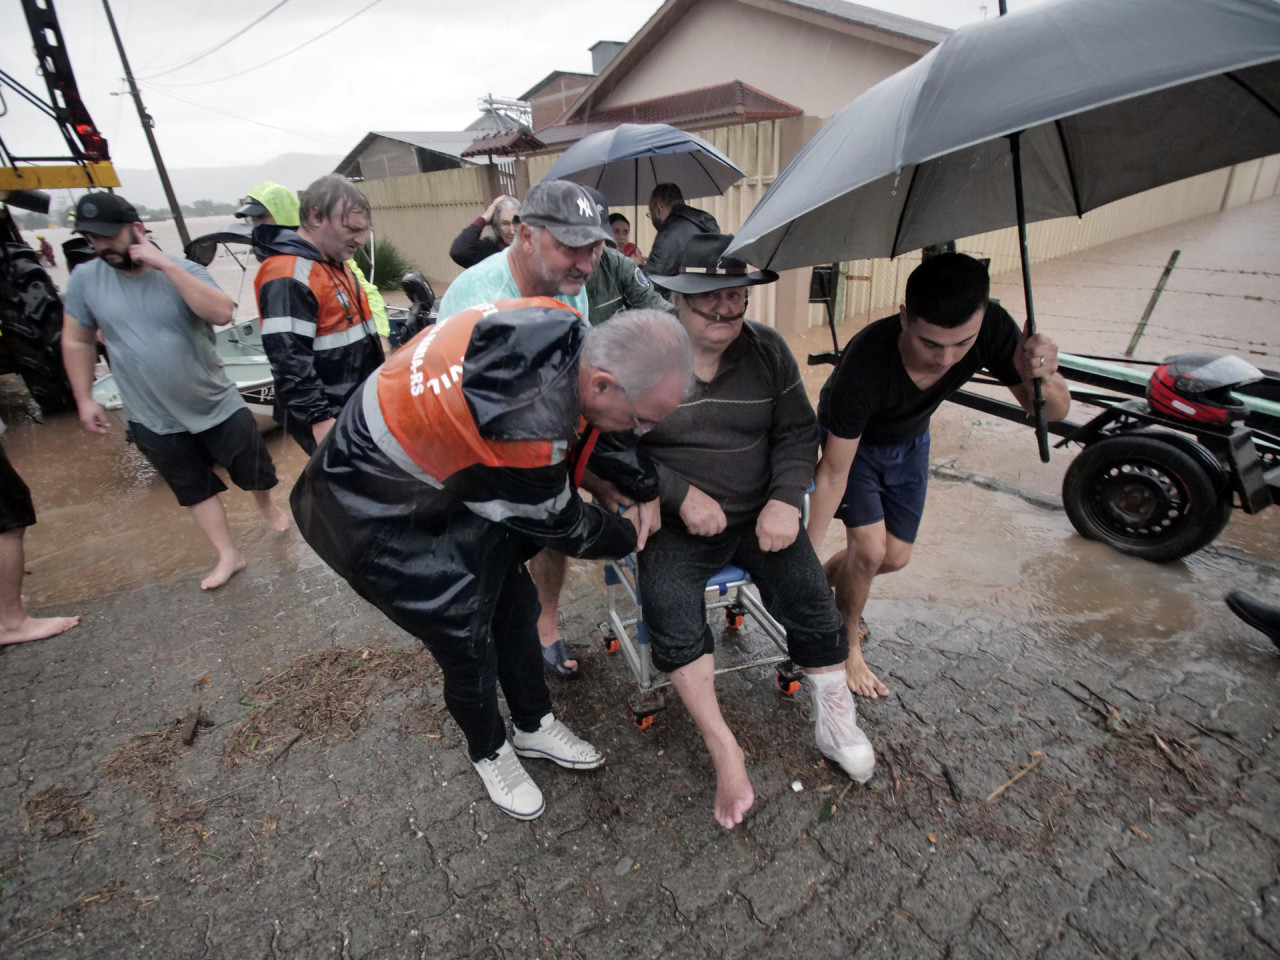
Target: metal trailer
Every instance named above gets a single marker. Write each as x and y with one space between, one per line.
1148 484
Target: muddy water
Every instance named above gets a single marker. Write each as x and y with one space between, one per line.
106 522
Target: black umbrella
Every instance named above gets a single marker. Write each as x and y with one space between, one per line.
627 162
1048 112
202 250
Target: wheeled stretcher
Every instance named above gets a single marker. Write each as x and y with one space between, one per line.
730 590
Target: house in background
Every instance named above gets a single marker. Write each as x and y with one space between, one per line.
384 154
500 126
816 54
756 77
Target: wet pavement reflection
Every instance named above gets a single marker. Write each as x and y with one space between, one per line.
106 522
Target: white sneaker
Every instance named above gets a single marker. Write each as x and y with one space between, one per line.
554 741
509 786
835 726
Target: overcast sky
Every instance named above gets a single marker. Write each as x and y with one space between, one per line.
398 65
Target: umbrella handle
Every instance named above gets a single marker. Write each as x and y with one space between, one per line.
1042 422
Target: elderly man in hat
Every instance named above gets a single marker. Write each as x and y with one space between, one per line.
734 461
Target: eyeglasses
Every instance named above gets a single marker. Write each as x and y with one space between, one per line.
641 426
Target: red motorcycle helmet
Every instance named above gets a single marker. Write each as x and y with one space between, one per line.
1197 387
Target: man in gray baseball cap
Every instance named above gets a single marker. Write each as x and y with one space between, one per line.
552 254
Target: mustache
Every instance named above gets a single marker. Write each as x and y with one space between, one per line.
719 317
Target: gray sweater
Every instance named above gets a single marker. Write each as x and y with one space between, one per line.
747 437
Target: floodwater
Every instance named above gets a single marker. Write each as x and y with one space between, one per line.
107 523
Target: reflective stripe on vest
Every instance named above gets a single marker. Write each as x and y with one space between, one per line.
493 510
303 328
343 338
386 440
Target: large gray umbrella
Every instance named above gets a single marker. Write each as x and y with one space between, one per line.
627 162
1063 107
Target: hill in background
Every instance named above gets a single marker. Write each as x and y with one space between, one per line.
224 184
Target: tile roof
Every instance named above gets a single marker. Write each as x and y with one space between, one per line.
515 143
735 100
856 13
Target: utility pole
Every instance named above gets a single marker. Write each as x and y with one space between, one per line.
147 125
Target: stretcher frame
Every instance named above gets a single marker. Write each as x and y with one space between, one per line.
734 593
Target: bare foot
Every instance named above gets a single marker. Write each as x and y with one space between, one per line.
37 628
227 568
734 795
860 679
277 518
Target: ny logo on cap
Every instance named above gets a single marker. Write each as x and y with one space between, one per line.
584 207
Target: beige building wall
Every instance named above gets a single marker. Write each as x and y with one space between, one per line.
422 213
814 67
874 288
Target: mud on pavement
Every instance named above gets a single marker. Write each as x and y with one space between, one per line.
1038 794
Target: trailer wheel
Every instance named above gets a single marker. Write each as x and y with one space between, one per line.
1144 497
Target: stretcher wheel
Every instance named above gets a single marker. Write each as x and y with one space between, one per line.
735 615
643 721
787 685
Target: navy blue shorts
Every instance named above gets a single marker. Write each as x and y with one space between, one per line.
888 482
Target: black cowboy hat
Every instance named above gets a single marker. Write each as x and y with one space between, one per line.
703 267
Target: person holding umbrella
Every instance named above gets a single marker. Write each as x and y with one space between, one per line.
875 410
676 223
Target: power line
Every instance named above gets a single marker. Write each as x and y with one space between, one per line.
239 33
264 63
165 47
235 116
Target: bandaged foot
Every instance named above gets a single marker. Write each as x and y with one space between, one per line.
835 726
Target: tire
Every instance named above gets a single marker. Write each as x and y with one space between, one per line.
1145 497
31 329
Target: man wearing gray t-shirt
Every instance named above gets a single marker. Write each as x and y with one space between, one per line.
155 314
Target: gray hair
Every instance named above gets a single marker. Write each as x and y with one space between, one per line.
507 204
640 348
331 193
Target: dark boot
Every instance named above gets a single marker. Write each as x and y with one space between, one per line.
1259 615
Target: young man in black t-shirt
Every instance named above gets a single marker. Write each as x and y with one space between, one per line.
875 411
